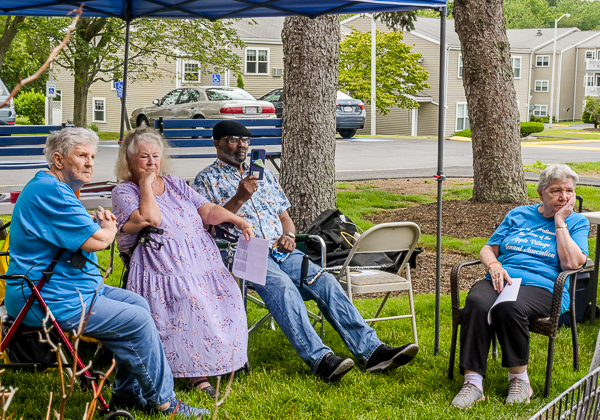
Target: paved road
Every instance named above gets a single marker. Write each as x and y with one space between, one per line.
365 159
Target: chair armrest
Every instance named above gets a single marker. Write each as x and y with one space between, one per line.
455 284
557 293
303 237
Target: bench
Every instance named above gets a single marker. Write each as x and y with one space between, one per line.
24 140
182 133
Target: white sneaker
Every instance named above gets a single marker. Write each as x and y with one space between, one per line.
519 391
468 395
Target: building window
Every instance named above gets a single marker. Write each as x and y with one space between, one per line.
542 61
191 72
462 116
257 61
590 54
540 110
99 110
541 86
460 65
589 80
515 62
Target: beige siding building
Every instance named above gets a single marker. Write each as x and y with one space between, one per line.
577 75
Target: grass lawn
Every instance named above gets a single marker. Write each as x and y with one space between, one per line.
281 386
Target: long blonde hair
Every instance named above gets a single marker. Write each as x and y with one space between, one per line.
129 147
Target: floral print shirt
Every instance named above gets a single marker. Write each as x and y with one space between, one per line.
219 182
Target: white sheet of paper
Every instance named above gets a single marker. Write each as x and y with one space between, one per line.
365 273
508 294
250 261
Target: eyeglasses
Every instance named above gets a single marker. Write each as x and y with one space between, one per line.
236 139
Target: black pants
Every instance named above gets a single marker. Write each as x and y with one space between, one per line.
510 323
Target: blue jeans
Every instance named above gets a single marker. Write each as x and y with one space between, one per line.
121 321
285 300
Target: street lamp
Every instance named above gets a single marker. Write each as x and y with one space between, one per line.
554 67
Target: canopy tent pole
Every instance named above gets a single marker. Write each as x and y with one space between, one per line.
440 174
124 97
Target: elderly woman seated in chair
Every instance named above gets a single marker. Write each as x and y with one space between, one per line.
534 243
196 304
48 217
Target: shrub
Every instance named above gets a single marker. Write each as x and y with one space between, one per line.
528 128
463 133
94 127
31 104
544 120
591 113
240 82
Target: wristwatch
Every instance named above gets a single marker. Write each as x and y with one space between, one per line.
290 234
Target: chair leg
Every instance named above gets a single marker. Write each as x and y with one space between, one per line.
453 351
412 305
383 302
575 342
549 363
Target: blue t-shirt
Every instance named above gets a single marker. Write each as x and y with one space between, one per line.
528 246
48 216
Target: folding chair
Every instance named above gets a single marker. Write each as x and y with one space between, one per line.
385 237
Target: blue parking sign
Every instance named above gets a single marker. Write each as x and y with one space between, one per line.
119 89
51 91
216 79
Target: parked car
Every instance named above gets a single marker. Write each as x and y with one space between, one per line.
8 115
203 102
350 112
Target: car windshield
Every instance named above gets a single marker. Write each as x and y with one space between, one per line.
342 95
216 94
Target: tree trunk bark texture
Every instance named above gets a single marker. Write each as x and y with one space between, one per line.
311 58
491 102
10 31
86 30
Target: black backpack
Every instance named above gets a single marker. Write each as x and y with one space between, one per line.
338 231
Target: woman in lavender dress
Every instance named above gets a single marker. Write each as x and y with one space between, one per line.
195 302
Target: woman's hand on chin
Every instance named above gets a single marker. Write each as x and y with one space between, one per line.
565 211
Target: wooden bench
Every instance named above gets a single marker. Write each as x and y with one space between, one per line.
265 132
24 140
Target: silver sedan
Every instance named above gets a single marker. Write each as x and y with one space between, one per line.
203 102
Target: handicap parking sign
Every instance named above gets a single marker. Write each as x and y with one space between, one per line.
216 79
51 88
119 89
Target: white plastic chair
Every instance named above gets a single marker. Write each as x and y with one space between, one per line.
385 237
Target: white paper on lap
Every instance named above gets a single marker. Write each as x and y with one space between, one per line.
250 261
508 294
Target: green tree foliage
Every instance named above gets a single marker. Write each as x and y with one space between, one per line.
240 81
22 55
95 51
398 70
585 15
591 113
31 104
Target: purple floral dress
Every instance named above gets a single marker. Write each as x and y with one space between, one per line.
195 302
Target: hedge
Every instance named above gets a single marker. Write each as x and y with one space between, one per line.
527 128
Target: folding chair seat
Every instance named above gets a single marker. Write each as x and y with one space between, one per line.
386 237
547 326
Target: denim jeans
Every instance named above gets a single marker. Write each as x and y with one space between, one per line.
285 300
121 321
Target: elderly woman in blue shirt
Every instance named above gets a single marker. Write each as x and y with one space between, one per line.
534 243
47 217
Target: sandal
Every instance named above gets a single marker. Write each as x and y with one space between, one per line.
209 390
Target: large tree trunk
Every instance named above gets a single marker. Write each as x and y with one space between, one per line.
491 102
10 31
311 57
86 30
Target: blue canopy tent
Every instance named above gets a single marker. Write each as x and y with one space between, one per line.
129 10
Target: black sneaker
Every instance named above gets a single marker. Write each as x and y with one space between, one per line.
332 368
183 410
386 358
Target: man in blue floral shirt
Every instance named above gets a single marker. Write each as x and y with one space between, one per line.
263 204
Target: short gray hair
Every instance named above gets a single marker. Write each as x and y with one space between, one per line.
66 140
556 173
129 147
